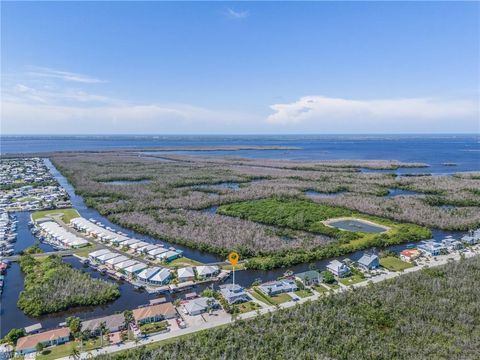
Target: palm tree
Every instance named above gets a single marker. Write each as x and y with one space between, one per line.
128 315
75 354
103 329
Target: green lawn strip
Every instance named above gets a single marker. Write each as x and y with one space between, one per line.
394 264
354 279
257 294
154 327
247 307
84 251
64 350
304 293
281 298
333 286
320 289
183 261
67 214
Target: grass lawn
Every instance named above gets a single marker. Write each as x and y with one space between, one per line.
333 286
240 266
304 293
67 214
154 327
66 349
320 289
394 264
270 300
354 279
247 307
183 261
84 251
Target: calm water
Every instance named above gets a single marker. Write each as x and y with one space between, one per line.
434 150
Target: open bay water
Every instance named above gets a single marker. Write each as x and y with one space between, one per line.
436 150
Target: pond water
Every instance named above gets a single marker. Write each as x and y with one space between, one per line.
127 182
317 194
397 192
224 185
211 209
356 225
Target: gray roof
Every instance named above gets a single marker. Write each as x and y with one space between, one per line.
112 322
367 259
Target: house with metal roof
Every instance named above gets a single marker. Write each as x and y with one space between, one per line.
113 323
199 305
147 273
134 269
185 274
207 271
162 277
234 293
369 262
338 268
277 287
309 278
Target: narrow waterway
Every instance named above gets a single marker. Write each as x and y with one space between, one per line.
12 317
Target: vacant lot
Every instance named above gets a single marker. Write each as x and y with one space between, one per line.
394 264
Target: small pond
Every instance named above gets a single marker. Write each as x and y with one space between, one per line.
397 192
317 194
356 225
224 185
127 182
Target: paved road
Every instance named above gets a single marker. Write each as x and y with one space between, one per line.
68 252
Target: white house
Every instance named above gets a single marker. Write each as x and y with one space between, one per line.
338 268
185 274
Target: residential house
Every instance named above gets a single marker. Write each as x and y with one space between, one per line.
207 271
452 244
369 262
134 269
153 313
338 268
147 273
309 278
115 260
28 344
272 288
185 274
162 277
234 293
199 305
410 255
113 323
431 247
124 264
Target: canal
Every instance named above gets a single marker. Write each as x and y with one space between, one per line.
12 317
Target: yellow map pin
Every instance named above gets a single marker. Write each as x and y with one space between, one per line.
233 258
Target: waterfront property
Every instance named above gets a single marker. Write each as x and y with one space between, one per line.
162 277
134 269
309 278
452 244
28 344
146 274
431 247
113 323
338 268
153 313
207 271
185 274
234 293
369 262
273 288
57 235
199 305
410 255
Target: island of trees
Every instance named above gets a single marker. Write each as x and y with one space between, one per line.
52 285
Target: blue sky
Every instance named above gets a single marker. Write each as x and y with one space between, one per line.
240 67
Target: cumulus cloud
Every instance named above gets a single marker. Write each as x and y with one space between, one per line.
326 109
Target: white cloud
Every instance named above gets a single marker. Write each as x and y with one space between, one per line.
332 112
63 75
235 14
